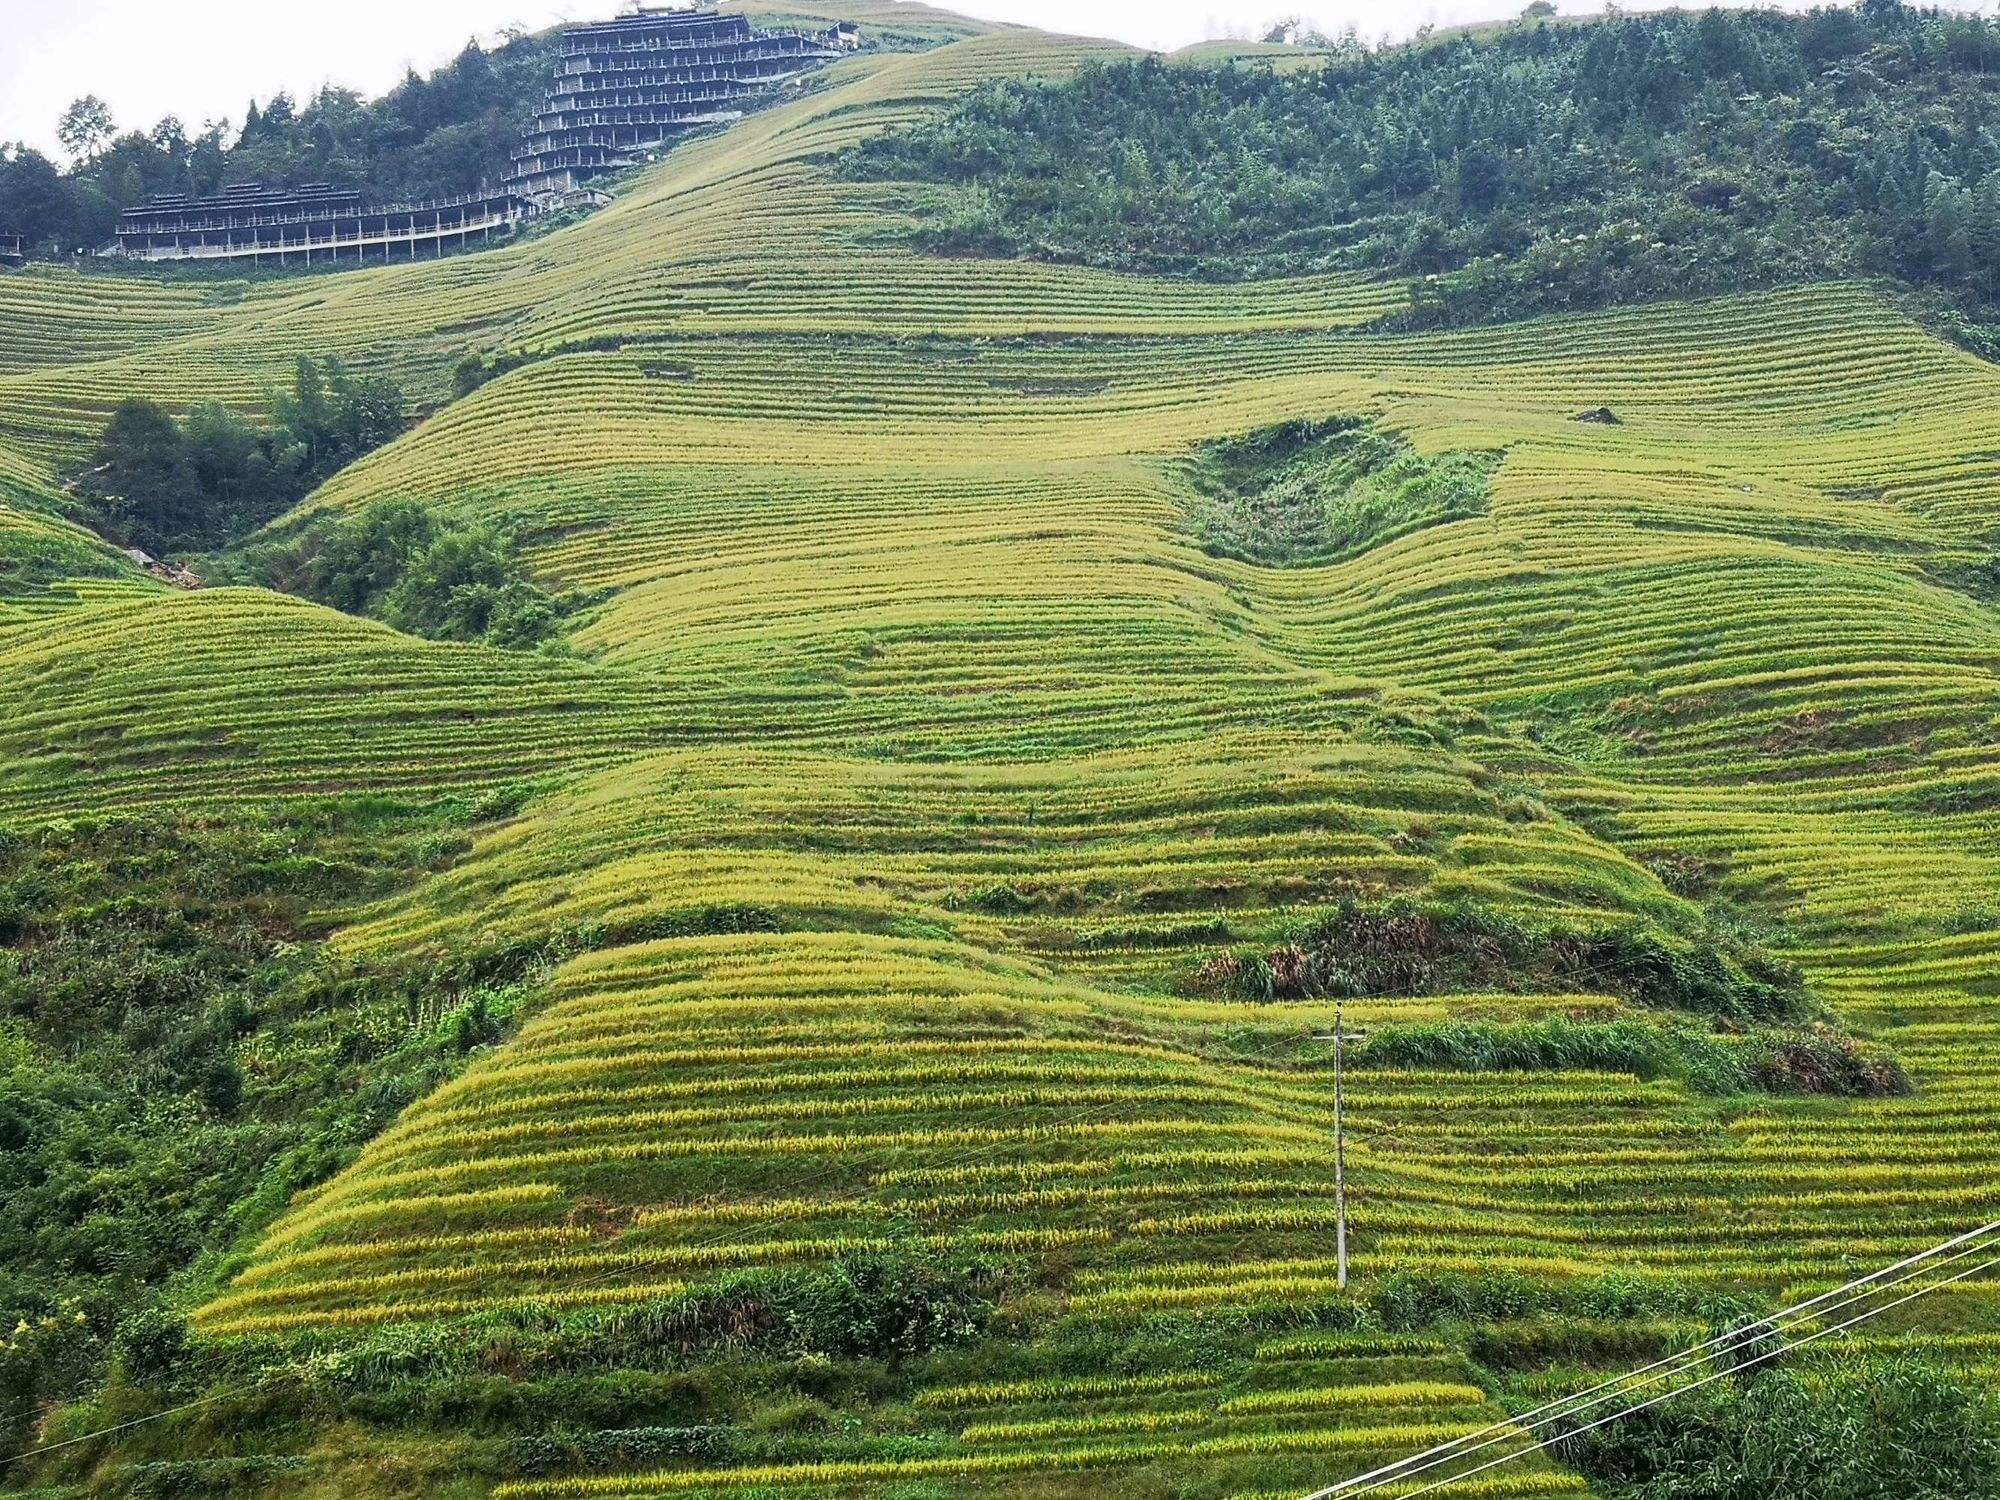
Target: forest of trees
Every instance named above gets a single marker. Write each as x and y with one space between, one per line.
427 137
175 486
168 485
445 577
1520 169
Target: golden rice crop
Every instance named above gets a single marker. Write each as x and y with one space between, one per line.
904 644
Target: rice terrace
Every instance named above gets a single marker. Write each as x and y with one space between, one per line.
827 752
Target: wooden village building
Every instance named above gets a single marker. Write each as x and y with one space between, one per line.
311 225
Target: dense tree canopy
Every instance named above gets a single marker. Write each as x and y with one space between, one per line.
171 486
199 484
448 579
1533 167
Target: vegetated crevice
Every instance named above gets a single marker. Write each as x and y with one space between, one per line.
1409 947
172 486
421 571
1737 1018
1811 1059
1308 493
1977 578
206 483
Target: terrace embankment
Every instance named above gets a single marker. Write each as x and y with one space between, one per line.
918 754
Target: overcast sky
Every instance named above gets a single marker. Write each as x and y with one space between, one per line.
204 59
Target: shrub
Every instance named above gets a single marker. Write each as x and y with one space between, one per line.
1821 1061
1897 1429
1309 493
403 564
1409 947
891 1305
151 1346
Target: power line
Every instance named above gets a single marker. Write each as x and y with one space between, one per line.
1610 1390
122 1426
1622 1387
1661 1399
1688 1361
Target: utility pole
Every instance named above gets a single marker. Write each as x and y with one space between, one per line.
1339 1040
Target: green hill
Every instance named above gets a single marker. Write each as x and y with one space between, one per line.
864 990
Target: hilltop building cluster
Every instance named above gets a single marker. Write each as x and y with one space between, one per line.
620 92
623 88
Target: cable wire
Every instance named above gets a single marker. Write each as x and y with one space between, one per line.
1621 1385
1417 1465
1622 1388
1619 1416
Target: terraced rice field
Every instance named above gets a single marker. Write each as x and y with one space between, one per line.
1299 1404
909 658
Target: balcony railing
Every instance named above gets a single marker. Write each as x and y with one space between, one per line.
610 46
219 216
257 244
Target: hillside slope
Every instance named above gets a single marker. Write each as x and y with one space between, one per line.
919 766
